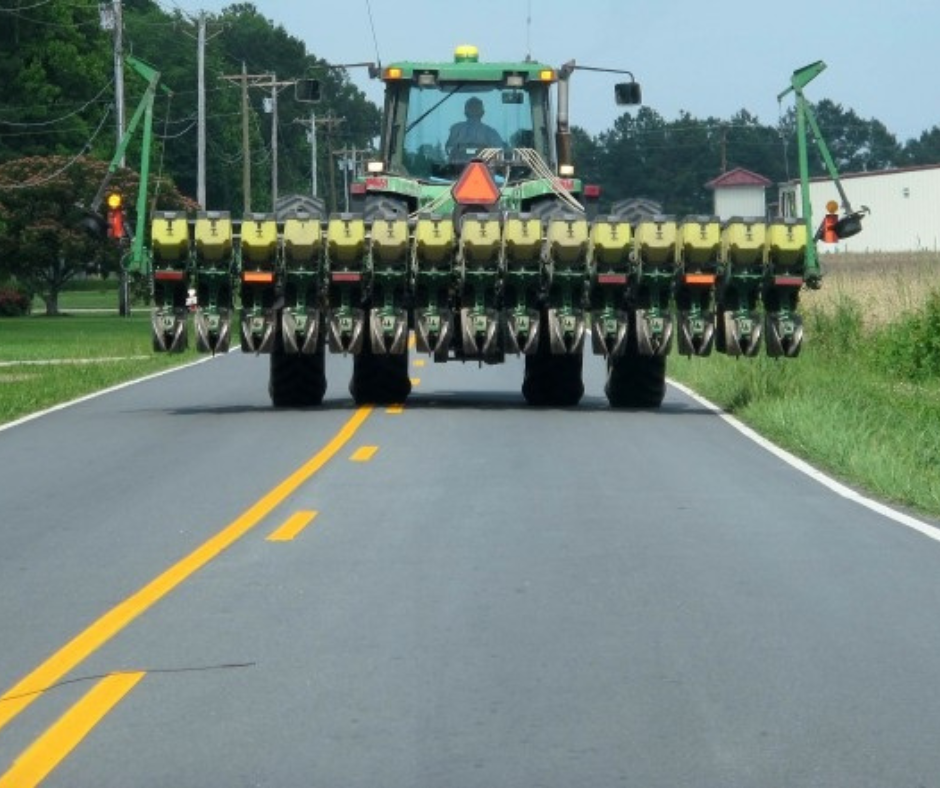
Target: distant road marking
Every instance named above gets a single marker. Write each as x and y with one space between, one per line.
364 453
56 361
30 687
50 749
419 362
923 528
395 410
292 527
416 381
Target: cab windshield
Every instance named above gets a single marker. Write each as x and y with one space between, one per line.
447 125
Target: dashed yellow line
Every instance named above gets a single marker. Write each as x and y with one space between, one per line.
50 749
73 653
364 453
419 362
416 381
395 410
292 527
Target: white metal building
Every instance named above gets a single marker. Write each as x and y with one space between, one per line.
904 205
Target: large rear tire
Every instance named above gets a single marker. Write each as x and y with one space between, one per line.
552 381
635 381
379 379
298 380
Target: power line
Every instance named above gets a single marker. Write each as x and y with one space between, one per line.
39 182
72 114
179 134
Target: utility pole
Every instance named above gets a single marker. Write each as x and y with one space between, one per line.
311 125
273 142
270 82
350 162
201 39
313 153
201 112
330 123
242 79
246 146
329 150
119 70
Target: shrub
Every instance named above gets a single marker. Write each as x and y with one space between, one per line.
838 329
14 302
910 347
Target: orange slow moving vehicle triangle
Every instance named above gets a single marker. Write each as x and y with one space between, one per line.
475 186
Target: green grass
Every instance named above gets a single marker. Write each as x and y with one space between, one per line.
111 350
843 405
85 294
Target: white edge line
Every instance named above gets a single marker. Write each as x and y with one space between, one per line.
930 531
95 394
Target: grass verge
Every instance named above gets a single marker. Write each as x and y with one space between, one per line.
47 361
863 399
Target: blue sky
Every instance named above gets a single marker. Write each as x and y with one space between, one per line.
714 59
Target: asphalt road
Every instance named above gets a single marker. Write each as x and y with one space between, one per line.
487 595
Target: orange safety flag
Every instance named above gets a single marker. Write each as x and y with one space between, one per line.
829 234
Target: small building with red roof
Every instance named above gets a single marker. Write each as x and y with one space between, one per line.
739 192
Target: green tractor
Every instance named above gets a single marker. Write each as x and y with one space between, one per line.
471 238
479 237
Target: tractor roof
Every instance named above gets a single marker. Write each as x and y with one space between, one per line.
466 67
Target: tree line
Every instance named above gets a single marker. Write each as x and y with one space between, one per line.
670 161
57 119
58 127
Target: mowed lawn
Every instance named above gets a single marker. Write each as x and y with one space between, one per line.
48 360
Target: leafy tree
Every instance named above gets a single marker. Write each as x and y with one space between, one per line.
924 150
266 48
43 245
669 162
760 148
626 154
54 74
586 151
56 96
856 145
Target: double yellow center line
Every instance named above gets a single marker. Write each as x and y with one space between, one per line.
47 752
46 675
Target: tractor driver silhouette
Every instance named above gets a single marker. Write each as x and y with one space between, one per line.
468 136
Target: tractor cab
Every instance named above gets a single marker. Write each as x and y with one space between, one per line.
440 116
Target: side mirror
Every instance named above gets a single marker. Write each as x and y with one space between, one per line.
628 93
307 90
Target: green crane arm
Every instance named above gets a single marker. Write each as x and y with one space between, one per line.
144 110
804 115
